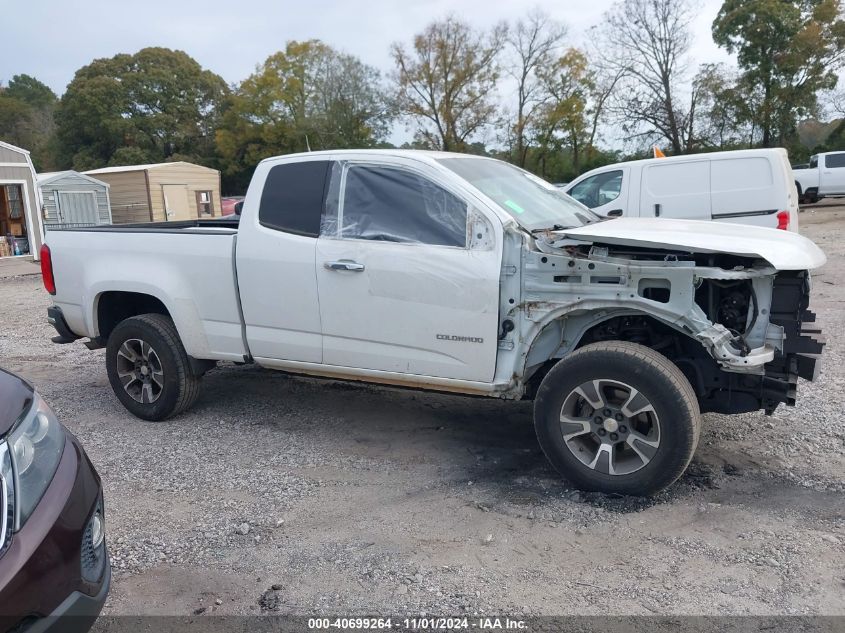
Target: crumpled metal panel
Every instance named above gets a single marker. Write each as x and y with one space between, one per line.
562 294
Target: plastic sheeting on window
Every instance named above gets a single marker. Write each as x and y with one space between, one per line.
378 202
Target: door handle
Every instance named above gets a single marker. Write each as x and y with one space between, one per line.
614 213
657 210
345 264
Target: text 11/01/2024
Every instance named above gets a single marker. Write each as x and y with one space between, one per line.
418 624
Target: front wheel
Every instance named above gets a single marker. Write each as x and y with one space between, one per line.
617 417
148 368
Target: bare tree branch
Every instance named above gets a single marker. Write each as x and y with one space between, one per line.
448 79
532 44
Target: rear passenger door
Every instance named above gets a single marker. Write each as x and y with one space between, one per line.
832 177
676 190
408 273
276 247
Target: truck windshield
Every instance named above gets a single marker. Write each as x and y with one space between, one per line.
533 202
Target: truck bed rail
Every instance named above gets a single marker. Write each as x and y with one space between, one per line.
226 225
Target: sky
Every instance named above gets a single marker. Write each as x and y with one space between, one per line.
51 39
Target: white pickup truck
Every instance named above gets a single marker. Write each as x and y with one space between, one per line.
823 177
455 273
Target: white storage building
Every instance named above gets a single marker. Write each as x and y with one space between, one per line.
72 199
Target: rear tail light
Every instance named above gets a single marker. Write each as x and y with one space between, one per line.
783 220
47 270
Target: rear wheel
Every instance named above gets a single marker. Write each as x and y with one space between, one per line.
148 368
617 417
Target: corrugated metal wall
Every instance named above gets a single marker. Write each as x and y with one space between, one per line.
71 210
128 193
11 156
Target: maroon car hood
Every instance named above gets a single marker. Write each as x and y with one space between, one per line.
15 399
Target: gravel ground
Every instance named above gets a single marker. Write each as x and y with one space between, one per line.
291 495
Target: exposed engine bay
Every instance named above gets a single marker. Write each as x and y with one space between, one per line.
734 325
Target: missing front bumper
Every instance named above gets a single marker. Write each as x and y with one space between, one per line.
803 342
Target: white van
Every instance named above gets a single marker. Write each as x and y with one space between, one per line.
753 186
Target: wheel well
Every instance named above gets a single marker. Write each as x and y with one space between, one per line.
636 328
633 328
717 390
115 306
687 354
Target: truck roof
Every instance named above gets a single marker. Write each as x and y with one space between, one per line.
407 153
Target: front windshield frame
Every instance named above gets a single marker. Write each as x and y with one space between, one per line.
560 211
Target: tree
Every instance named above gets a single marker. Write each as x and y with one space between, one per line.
563 132
159 102
26 118
725 114
835 140
646 43
351 109
308 96
562 118
835 102
603 84
446 82
31 91
16 124
532 44
787 51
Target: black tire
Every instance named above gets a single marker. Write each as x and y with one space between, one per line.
616 364
175 390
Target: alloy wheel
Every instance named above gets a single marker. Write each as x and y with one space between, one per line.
139 370
610 427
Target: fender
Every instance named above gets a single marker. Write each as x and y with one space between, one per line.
183 312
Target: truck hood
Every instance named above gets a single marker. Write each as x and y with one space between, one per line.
784 250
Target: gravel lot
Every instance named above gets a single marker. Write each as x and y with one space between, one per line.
291 495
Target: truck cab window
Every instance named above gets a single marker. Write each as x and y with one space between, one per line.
598 190
292 200
383 203
814 162
835 160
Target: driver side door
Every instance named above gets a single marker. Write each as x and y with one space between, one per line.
407 275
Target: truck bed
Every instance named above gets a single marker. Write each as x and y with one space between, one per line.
188 266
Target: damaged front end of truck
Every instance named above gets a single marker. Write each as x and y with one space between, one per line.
737 325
